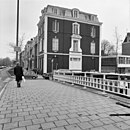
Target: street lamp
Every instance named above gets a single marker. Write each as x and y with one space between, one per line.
17 29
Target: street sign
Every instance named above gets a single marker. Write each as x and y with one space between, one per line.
18 49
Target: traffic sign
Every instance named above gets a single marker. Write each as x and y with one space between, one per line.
18 49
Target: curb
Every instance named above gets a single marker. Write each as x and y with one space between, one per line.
3 89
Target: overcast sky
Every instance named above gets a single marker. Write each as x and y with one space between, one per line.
112 13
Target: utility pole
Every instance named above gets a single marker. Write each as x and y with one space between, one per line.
17 29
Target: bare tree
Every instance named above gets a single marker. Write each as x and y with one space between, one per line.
117 40
107 48
20 44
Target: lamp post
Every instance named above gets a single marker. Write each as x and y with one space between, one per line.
52 63
17 29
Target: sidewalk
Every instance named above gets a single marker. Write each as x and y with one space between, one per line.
46 105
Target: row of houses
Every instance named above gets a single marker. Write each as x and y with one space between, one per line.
66 39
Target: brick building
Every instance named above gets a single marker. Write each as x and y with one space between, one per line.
68 39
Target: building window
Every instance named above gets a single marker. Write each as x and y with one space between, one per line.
40 45
75 59
55 26
76 28
75 45
121 60
55 44
93 32
54 10
75 13
92 48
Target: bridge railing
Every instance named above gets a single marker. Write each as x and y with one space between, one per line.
107 85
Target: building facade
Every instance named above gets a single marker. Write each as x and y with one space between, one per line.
68 39
118 63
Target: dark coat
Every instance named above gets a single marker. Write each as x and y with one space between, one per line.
18 72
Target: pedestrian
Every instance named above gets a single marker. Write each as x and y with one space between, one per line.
18 72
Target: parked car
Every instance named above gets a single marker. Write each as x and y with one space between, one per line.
47 75
28 74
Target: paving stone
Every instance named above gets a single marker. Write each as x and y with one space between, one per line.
94 117
23 113
73 127
34 112
63 112
99 128
22 107
73 115
10 125
50 119
29 117
53 113
61 117
28 109
17 110
45 110
48 125
56 109
25 123
38 108
107 120
12 108
110 127
85 125
72 121
122 125
11 115
2 116
1 127
127 122
20 128
20 118
83 118
41 115
61 123
58 128
5 111
5 120
96 123
3 108
116 119
34 127
38 121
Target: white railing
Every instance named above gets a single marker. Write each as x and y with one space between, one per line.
107 85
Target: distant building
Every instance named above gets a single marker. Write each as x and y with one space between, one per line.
126 45
68 39
118 63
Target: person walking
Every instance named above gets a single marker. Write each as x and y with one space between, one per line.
18 72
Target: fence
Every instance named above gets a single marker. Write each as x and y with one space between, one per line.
107 85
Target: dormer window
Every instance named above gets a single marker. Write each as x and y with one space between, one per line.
92 18
93 32
75 13
54 10
76 28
